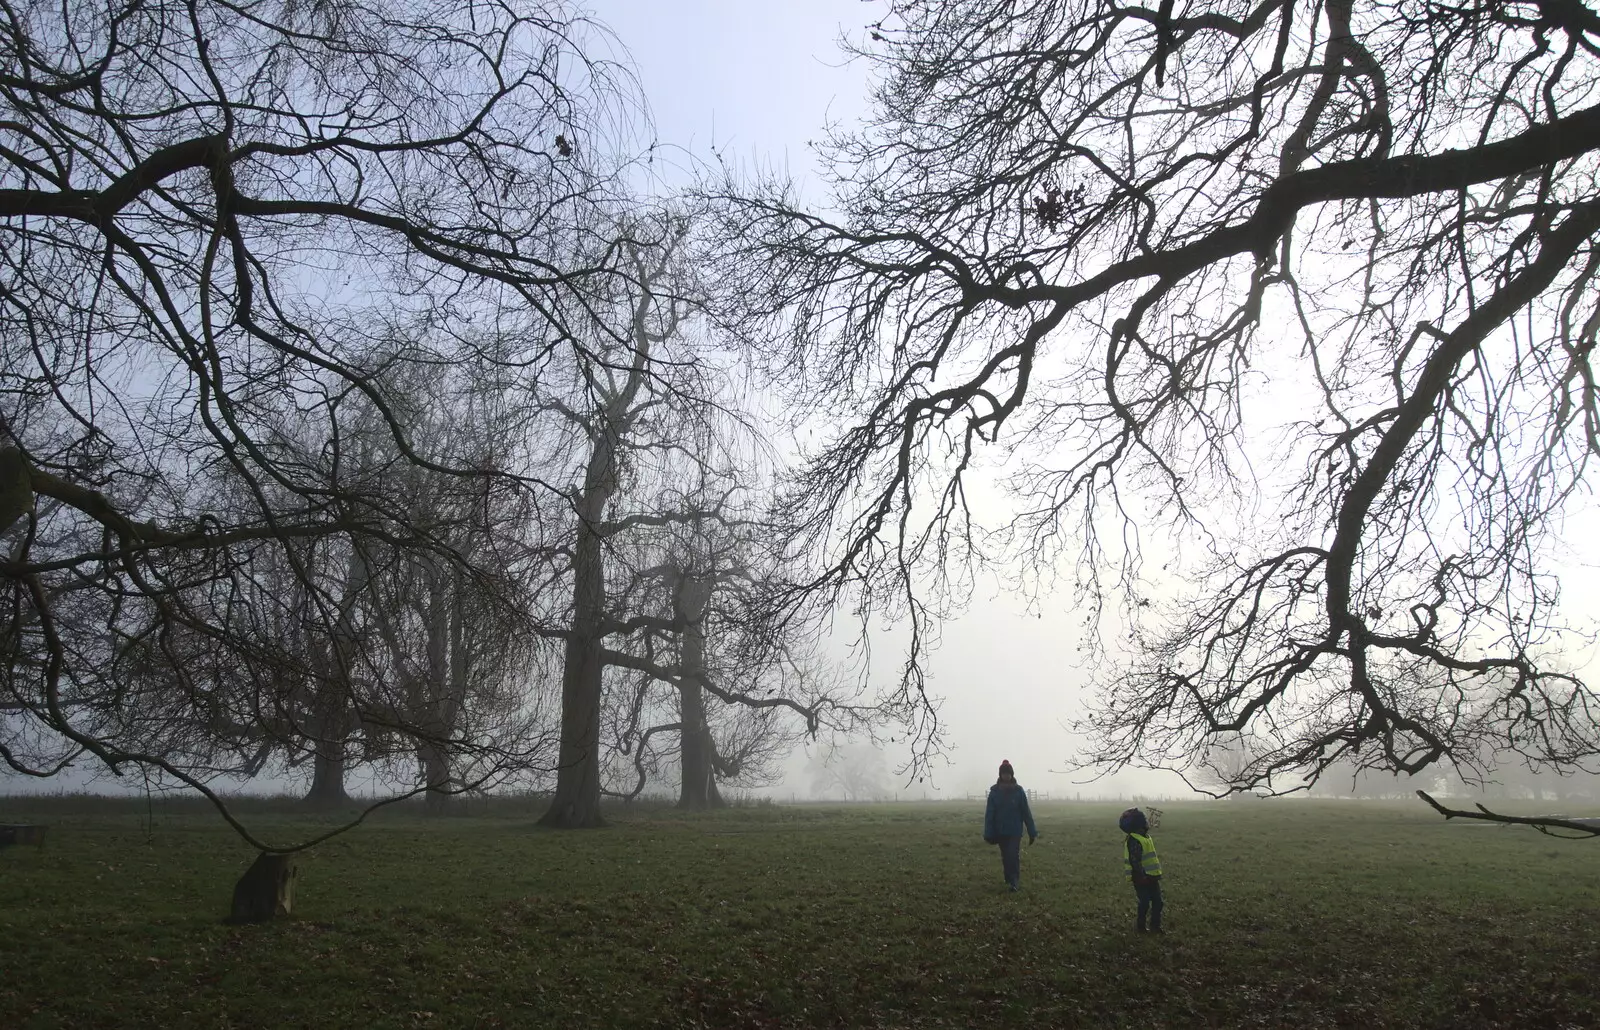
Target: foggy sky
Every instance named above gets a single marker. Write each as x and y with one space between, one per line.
755 84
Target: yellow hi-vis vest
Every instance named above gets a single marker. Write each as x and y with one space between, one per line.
1149 863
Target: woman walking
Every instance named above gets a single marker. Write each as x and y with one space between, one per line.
1004 820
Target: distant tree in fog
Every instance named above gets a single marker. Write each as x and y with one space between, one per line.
657 559
853 770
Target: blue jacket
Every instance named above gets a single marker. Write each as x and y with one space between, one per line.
1007 813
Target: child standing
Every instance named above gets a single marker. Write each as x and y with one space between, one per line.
1004 819
1144 867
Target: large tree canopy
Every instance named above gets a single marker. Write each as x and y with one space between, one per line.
233 236
1312 283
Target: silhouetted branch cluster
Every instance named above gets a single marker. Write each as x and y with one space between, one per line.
1311 287
248 250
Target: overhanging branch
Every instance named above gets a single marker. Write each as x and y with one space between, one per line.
1543 823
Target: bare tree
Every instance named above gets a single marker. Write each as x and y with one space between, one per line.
209 212
454 653
638 410
712 580
411 658
856 770
628 402
1086 237
1224 763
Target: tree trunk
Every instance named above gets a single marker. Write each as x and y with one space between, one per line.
435 758
697 751
333 702
698 786
327 776
577 801
444 691
329 758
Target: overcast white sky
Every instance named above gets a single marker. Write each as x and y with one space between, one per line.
757 81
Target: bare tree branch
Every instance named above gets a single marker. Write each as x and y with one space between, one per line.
1544 824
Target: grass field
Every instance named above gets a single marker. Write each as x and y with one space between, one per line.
1302 914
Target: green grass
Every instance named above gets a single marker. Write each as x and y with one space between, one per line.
1304 914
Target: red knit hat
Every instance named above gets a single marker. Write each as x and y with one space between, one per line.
1005 769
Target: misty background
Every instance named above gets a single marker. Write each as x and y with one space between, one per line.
751 86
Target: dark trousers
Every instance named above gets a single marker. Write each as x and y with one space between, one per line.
1011 859
1149 903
